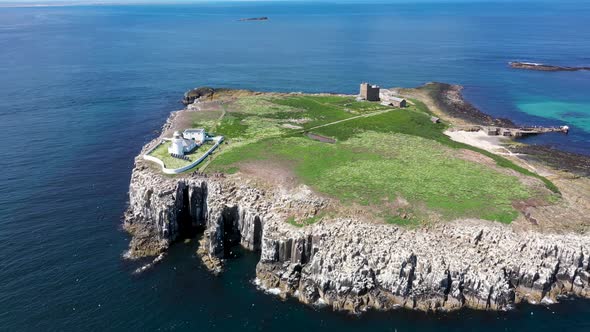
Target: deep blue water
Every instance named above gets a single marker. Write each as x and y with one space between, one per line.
83 88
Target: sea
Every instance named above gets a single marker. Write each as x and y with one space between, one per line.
83 88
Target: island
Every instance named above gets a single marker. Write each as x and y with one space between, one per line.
543 67
263 18
392 198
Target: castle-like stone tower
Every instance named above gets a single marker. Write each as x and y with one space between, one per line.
369 92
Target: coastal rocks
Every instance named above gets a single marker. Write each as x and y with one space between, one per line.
452 100
355 266
162 210
449 100
194 94
349 264
574 163
543 67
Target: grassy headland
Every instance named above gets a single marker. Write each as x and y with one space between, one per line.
394 161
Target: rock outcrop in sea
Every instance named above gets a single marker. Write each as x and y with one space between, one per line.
262 18
543 67
196 93
348 263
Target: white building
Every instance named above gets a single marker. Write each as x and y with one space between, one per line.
197 134
181 145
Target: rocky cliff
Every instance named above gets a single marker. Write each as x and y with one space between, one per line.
350 264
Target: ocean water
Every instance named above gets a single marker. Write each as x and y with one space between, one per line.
83 88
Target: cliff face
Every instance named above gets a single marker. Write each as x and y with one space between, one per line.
164 209
350 264
354 266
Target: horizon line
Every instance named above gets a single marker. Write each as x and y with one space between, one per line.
51 3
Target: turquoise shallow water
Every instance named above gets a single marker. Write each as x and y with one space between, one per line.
83 88
563 111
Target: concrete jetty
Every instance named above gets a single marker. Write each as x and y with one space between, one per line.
524 131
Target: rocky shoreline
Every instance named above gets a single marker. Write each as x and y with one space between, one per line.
448 100
352 264
574 163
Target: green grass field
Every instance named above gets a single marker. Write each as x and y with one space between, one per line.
377 160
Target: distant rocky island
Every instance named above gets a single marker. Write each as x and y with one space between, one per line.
263 18
543 67
359 205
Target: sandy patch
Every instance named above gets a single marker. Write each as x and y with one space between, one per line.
494 144
479 139
271 172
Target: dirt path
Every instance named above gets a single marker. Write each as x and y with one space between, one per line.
211 157
350 119
223 113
